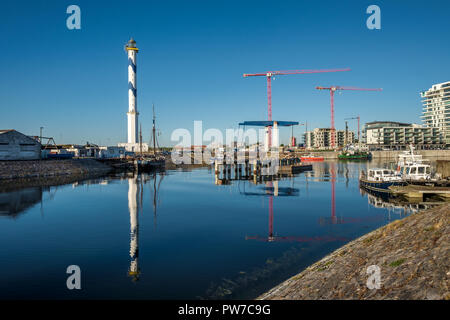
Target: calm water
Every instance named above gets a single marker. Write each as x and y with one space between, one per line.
177 234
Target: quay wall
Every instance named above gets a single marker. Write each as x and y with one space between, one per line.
31 169
425 153
390 155
412 255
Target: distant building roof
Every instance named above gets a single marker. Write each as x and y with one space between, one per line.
401 124
6 130
268 123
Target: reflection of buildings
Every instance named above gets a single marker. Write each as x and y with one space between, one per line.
14 202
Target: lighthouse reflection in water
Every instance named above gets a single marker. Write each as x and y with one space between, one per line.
133 207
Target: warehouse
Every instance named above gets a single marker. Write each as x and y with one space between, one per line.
17 146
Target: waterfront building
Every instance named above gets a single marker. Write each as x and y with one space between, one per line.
436 109
17 146
320 138
91 150
343 140
398 135
111 152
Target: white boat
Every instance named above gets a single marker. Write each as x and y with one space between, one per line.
379 179
413 167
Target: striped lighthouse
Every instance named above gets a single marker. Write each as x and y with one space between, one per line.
132 113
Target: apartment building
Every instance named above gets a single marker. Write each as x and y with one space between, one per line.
398 135
320 138
436 108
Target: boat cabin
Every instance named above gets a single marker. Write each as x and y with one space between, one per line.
377 174
415 171
412 166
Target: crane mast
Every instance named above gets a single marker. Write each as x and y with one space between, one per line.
332 89
270 74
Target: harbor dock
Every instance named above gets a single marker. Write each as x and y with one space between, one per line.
258 170
418 192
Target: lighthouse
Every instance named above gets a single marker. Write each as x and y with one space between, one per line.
132 113
133 143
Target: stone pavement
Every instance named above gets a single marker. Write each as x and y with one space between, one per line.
413 256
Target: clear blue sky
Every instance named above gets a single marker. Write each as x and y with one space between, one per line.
192 57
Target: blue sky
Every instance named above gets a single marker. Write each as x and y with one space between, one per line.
192 57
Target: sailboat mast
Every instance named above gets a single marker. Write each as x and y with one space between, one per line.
140 139
154 131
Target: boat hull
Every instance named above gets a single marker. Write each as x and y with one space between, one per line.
311 159
354 157
380 186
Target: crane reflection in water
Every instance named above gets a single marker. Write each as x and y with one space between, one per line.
272 190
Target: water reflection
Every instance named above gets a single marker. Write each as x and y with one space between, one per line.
133 191
135 206
396 205
229 241
271 191
15 202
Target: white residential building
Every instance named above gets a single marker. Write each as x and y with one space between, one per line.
398 135
436 108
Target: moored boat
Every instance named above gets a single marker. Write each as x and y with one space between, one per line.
379 180
412 167
354 156
311 158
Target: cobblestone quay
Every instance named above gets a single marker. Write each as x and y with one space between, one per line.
29 169
413 255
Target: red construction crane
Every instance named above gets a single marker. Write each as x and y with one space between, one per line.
332 90
270 74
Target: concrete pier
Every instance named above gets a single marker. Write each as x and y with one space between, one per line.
258 170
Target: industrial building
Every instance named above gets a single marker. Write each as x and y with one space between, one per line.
436 108
321 138
90 150
398 135
17 146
